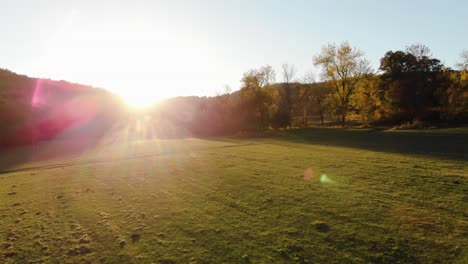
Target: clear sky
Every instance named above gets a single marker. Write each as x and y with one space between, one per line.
146 50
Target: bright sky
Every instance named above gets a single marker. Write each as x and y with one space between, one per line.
148 50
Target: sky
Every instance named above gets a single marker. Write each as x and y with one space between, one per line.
148 50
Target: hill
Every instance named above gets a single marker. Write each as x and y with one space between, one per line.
35 109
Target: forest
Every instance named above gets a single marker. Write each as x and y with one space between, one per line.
411 89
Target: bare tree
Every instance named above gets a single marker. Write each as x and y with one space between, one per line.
317 95
463 64
320 94
304 93
344 67
420 51
289 71
309 77
226 90
259 78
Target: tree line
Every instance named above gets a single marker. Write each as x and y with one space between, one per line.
410 86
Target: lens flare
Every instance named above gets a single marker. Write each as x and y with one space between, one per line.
37 99
308 174
325 179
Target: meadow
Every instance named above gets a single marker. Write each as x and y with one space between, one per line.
302 196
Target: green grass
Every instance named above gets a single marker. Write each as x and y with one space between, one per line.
387 197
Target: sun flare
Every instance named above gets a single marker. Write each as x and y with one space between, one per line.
141 99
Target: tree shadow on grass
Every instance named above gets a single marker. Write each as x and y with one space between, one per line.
64 146
65 150
450 144
73 144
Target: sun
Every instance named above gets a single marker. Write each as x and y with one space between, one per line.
141 99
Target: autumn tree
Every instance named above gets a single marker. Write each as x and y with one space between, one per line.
423 59
368 101
453 96
409 81
257 96
344 67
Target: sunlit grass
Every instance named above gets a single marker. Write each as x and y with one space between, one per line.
237 200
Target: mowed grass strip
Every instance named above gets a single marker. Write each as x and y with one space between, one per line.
271 200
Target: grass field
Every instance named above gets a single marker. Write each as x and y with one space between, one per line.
306 196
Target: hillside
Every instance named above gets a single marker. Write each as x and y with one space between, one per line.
33 109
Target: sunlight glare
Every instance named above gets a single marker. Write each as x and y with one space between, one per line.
139 61
141 99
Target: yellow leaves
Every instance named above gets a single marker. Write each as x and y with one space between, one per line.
464 76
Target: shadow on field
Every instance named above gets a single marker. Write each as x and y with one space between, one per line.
61 149
73 143
68 144
451 144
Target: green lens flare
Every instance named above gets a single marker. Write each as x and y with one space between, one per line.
324 179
